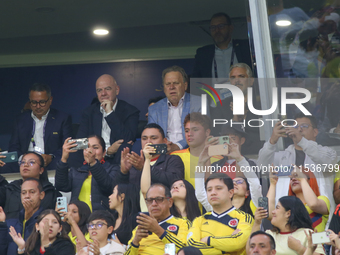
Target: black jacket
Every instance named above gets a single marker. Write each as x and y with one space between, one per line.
205 55
104 178
166 170
10 198
123 123
61 246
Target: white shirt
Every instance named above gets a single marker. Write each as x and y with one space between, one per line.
101 250
174 130
38 126
106 130
223 60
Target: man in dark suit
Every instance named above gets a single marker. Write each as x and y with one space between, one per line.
114 120
43 129
214 61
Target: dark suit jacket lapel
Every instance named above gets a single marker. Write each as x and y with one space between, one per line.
210 53
50 122
97 121
120 110
27 131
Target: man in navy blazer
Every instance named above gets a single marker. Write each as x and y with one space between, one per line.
214 60
114 120
170 112
43 129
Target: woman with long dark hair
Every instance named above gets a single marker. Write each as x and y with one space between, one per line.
289 219
75 222
185 202
48 237
304 186
93 182
183 193
125 201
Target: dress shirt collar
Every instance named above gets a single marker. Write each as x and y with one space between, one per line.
230 45
42 118
179 103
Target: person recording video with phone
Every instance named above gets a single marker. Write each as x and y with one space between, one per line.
241 169
165 168
304 151
93 182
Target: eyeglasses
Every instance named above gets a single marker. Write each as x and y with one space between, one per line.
219 26
238 182
158 200
41 102
98 225
303 126
31 162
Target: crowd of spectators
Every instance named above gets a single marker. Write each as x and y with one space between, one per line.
186 189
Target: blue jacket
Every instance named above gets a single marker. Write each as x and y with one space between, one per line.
158 113
104 178
7 245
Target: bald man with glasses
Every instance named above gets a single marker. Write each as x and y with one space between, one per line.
42 130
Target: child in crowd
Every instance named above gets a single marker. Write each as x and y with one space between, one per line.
100 226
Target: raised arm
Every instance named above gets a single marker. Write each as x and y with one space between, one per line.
145 181
271 193
316 204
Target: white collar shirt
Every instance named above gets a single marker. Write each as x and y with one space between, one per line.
174 130
106 130
38 136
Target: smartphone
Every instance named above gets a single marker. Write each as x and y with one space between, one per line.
321 237
62 203
222 139
217 150
170 249
160 148
284 170
82 144
10 157
263 202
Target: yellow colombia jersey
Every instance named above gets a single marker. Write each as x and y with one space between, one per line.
190 163
219 228
176 230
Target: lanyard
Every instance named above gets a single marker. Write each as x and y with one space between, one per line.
231 62
33 131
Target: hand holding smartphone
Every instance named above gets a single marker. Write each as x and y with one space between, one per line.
62 203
